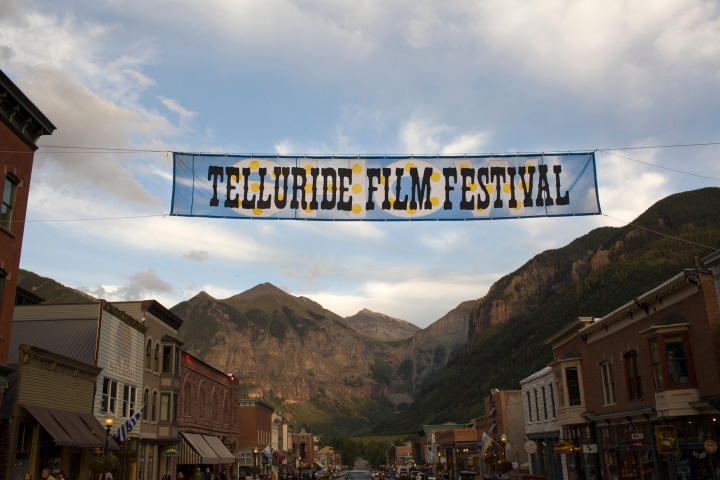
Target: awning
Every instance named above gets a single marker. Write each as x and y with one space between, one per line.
70 429
203 453
220 449
280 458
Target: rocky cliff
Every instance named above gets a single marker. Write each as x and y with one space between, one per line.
381 327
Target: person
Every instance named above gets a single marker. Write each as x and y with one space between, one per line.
206 474
223 475
61 475
180 475
198 475
27 477
242 475
167 476
108 475
46 474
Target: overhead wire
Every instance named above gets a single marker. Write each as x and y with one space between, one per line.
660 233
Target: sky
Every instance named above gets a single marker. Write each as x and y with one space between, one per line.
329 77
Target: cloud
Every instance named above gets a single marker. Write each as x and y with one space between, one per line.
420 136
174 106
197 255
140 286
142 80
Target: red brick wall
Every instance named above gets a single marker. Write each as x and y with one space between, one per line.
197 375
252 420
19 164
702 350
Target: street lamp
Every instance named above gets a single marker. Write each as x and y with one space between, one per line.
255 454
503 439
109 420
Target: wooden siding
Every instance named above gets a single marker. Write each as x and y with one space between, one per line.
52 311
121 358
42 387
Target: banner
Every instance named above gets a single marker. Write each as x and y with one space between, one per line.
384 189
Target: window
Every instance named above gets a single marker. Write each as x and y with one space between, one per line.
633 376
573 386
126 401
608 383
167 359
176 399
145 402
201 403
3 274
552 399
154 406
537 406
559 383
657 368
544 403
678 372
109 396
529 405
148 354
165 407
8 201
157 357
176 371
186 399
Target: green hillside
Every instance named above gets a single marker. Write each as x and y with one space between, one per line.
50 290
634 261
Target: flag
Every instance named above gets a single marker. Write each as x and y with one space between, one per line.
268 452
484 444
129 424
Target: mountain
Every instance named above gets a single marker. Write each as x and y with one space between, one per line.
381 327
50 290
425 354
294 353
591 276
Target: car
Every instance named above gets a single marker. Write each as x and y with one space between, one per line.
359 475
527 476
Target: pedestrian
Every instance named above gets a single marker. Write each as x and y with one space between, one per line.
212 475
223 475
167 476
206 474
46 474
198 475
61 475
180 475
27 477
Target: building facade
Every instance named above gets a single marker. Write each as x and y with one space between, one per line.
207 417
638 389
22 123
102 335
541 425
160 387
50 430
255 430
504 416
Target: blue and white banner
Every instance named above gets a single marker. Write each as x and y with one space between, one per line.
268 452
477 187
128 426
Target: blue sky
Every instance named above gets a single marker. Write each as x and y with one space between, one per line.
317 76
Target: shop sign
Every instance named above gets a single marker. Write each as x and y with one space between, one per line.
711 446
590 448
564 448
530 447
638 439
666 439
172 452
265 460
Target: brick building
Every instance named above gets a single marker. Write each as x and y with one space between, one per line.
22 124
637 390
207 418
504 416
255 422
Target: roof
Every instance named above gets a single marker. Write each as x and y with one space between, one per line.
28 122
428 429
537 374
572 353
567 328
158 310
672 319
669 286
168 338
29 296
74 338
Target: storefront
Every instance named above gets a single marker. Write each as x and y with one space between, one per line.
583 461
545 461
202 451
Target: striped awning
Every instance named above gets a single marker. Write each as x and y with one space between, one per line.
70 429
196 449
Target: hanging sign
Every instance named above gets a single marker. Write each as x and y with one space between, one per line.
480 187
564 448
666 439
172 452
